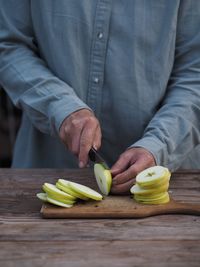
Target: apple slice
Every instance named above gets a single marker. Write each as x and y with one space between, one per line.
42 196
103 178
46 198
152 185
158 183
161 200
85 190
63 200
64 186
58 203
152 176
137 190
56 193
151 197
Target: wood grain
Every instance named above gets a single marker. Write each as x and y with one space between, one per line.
165 227
28 240
101 253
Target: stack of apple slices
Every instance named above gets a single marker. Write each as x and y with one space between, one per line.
66 193
152 186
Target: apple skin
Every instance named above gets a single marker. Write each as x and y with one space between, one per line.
51 199
161 200
64 185
103 178
153 176
85 190
53 190
152 185
60 199
137 190
58 203
42 196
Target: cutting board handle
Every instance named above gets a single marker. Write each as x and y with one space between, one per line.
173 208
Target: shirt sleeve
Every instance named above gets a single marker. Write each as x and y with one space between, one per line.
31 85
174 131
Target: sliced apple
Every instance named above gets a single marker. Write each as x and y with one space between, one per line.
42 196
85 190
152 185
151 197
58 203
137 190
56 193
157 183
64 186
152 176
103 178
61 199
161 200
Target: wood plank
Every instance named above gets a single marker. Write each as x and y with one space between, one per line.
168 227
101 253
19 187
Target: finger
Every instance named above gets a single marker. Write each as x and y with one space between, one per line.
97 138
139 165
86 142
72 137
122 188
121 165
125 176
75 143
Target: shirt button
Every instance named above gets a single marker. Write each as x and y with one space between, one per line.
100 35
96 80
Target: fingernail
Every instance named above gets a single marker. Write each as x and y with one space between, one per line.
81 164
95 147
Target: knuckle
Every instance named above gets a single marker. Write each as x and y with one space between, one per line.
76 123
92 120
134 170
84 143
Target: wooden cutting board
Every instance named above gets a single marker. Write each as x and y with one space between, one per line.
118 207
184 193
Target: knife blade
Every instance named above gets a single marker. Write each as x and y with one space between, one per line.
95 157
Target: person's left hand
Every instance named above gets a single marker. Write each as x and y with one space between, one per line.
129 164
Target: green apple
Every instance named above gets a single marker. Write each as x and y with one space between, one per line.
46 198
162 182
152 176
58 203
162 199
151 197
152 185
85 190
137 190
103 178
63 200
64 186
56 193
42 196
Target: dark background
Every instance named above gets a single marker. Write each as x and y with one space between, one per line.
9 124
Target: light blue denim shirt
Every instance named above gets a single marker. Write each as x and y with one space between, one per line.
135 63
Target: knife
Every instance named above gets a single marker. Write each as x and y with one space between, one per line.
95 157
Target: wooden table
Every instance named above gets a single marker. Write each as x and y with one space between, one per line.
28 240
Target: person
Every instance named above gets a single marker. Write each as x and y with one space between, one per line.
121 76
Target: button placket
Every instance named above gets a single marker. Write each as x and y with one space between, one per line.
98 52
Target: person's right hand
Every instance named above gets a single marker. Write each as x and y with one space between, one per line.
79 132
